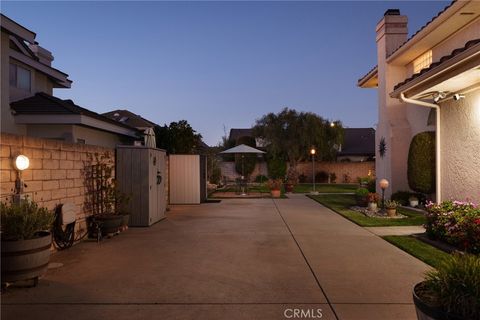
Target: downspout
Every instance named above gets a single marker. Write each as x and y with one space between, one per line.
437 140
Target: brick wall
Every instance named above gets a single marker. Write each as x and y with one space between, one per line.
343 170
56 172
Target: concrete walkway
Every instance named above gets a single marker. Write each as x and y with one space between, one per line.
396 231
238 259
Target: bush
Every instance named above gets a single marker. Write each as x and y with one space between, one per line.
456 223
22 221
261 178
455 286
361 192
321 177
421 163
216 175
333 177
277 168
372 185
302 178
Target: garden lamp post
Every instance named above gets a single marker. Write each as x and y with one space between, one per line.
383 185
312 152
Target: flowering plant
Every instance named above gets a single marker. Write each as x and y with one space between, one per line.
373 197
274 184
455 222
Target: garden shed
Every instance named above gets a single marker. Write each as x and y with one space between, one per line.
141 174
188 179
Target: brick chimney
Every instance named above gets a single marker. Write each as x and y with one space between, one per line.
392 29
44 56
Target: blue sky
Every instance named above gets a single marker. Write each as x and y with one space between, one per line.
216 64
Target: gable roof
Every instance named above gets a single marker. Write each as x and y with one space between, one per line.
237 133
42 104
129 118
358 141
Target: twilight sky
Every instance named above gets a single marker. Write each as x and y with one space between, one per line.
216 64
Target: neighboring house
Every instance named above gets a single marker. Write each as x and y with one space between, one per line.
28 106
358 145
46 116
131 119
430 82
237 133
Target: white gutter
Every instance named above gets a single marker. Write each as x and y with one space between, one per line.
438 179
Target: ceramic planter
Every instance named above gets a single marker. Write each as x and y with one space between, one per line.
26 259
275 193
110 223
413 203
372 206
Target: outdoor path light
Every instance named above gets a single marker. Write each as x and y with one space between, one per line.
20 163
383 185
312 152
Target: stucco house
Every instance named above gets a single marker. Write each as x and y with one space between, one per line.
430 82
28 107
358 145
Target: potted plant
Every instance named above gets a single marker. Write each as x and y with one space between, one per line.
452 291
292 180
275 186
413 200
26 241
391 207
361 197
372 199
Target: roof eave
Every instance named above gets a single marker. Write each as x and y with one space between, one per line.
370 80
16 29
460 62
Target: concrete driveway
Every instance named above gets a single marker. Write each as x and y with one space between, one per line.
238 259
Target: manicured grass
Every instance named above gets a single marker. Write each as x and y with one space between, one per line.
325 188
419 249
341 203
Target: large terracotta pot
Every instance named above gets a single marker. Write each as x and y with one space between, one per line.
427 312
391 212
275 193
25 259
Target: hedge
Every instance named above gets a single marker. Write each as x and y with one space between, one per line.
421 163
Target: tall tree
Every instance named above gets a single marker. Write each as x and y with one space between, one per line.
178 137
291 134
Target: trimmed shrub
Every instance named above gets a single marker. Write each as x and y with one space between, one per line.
372 185
277 168
261 178
321 177
421 163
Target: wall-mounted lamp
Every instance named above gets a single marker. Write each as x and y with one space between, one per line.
438 96
20 163
458 96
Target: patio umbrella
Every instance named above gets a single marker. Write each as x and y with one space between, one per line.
243 149
149 138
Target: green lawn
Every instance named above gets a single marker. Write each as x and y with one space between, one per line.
325 188
341 203
419 249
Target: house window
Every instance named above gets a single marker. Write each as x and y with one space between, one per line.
422 62
20 77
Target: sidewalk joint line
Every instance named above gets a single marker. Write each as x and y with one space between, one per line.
306 260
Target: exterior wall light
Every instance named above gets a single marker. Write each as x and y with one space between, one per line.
438 96
21 162
458 96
